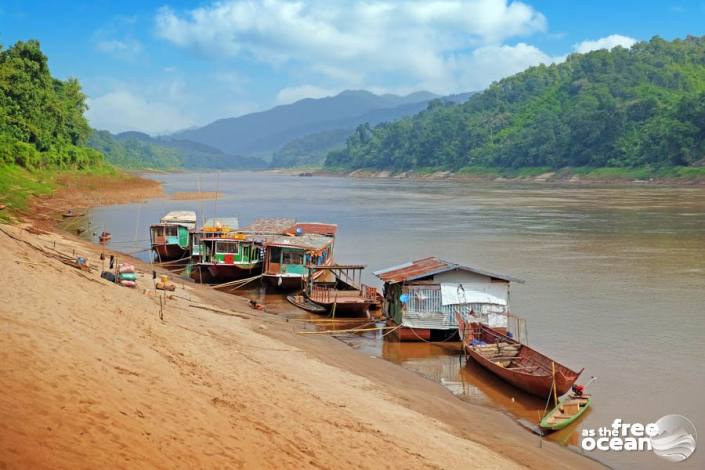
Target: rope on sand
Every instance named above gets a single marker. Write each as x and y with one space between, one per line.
349 330
235 284
164 263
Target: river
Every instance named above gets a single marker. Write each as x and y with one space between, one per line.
615 276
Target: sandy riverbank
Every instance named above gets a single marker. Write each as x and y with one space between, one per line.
91 376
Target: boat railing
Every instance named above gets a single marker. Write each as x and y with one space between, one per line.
328 294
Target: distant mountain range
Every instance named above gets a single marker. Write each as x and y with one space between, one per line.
261 134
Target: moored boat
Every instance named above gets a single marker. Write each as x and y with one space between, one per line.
230 257
171 237
343 296
287 257
514 362
212 228
568 410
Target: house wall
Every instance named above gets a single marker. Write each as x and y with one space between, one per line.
473 281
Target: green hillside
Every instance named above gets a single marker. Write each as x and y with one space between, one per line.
134 153
643 106
136 150
43 133
311 150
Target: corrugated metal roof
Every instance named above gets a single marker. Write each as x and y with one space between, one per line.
430 266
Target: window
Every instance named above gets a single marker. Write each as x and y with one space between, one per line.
172 231
227 247
275 254
293 257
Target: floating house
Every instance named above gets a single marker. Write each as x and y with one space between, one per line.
288 256
422 297
171 237
212 228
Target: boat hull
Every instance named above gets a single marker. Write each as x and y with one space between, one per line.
406 334
285 283
230 272
346 309
538 381
169 252
556 420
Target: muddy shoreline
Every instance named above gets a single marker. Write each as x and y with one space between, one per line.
291 399
546 178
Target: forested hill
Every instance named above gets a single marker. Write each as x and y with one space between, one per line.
621 108
138 150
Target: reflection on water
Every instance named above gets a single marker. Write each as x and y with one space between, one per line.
615 275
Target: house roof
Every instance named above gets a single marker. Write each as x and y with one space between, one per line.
430 266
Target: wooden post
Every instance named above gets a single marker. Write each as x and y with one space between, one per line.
555 391
161 309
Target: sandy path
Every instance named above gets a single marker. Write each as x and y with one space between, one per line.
90 377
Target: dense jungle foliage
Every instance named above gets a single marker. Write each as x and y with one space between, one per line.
643 106
41 118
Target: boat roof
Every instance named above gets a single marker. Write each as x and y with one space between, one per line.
230 222
311 241
430 266
319 228
272 225
179 217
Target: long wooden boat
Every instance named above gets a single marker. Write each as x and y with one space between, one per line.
302 302
568 410
171 237
212 228
230 257
516 363
288 256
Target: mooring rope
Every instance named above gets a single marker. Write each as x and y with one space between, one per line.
237 283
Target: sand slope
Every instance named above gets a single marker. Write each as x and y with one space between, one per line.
91 377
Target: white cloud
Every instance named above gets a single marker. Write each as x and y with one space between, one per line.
117 38
484 65
122 49
355 43
296 93
120 111
607 42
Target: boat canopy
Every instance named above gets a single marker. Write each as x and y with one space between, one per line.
187 218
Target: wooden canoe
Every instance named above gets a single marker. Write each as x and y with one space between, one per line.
302 302
516 363
566 412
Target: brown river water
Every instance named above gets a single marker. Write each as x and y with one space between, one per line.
615 277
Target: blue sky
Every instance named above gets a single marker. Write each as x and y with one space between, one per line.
167 65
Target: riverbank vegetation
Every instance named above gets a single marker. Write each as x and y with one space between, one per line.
642 107
42 128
